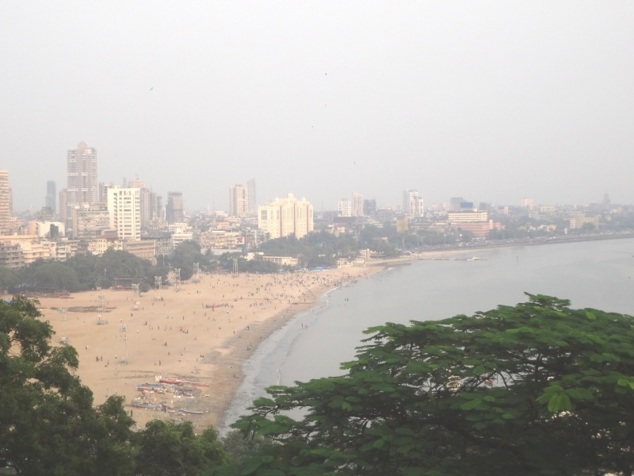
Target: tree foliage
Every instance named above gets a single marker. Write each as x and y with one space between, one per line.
185 255
534 389
168 448
80 273
48 425
313 250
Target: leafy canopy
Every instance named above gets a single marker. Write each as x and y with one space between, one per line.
534 389
48 425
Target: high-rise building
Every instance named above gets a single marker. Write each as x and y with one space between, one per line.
253 206
82 187
6 205
357 205
412 204
286 216
149 203
50 201
174 210
238 201
344 208
124 209
369 207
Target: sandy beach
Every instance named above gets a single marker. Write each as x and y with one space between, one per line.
194 337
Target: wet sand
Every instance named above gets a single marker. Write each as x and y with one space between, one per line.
198 334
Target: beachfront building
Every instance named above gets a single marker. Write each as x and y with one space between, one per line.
476 222
285 217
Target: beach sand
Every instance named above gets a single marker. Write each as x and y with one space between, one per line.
198 333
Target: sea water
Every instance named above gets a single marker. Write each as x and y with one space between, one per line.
314 343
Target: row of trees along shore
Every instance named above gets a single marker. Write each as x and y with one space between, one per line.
532 389
315 250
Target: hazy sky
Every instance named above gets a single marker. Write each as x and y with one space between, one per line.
489 100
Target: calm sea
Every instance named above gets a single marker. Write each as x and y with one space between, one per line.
594 274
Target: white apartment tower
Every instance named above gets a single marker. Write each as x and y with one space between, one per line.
286 216
124 209
413 203
344 208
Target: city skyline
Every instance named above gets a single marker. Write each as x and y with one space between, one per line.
493 101
355 200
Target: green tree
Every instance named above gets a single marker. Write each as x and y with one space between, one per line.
238 446
184 257
534 389
168 448
48 425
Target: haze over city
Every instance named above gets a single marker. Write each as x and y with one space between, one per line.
494 101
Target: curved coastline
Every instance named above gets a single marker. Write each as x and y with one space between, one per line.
247 310
249 385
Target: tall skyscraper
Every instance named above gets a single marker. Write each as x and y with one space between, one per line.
357 205
174 210
82 188
286 216
50 201
253 204
238 201
412 203
6 205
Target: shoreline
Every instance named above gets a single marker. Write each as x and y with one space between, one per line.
201 333
197 337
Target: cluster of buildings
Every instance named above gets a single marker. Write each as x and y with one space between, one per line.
89 216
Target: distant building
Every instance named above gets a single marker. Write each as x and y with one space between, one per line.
286 216
90 221
369 207
174 211
253 204
413 204
238 201
144 249
50 201
344 208
124 208
6 205
580 220
476 222
357 205
149 202
457 204
82 187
